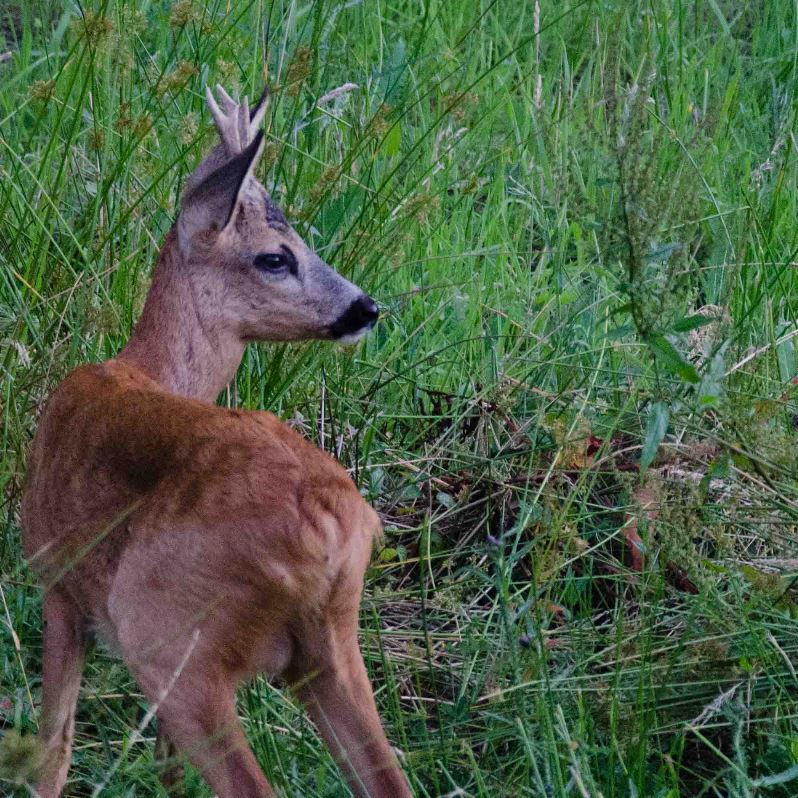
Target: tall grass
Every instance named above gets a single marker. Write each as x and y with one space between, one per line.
577 416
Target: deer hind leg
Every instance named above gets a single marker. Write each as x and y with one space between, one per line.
171 642
195 706
199 717
339 698
201 721
170 765
64 651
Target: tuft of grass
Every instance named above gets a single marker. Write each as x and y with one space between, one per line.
576 417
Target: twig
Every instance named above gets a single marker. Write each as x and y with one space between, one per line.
714 706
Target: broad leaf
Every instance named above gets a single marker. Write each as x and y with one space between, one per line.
655 431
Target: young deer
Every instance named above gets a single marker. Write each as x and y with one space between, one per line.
207 545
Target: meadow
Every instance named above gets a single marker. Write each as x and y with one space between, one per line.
577 416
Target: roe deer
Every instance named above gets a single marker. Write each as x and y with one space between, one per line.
207 545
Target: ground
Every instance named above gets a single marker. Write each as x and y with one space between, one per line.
577 416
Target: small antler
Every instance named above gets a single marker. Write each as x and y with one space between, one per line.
237 124
214 187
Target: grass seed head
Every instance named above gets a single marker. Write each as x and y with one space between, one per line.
21 757
177 79
95 29
183 12
41 91
298 71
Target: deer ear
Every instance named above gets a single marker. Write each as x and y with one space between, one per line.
257 111
211 204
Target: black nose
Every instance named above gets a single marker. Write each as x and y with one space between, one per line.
360 315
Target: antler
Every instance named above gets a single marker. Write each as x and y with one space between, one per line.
213 189
237 124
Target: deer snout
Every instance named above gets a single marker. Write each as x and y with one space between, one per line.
356 320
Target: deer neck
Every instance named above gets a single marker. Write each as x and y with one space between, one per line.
180 340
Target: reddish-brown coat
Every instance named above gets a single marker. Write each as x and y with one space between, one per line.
114 446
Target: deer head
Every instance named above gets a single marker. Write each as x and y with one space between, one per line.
271 284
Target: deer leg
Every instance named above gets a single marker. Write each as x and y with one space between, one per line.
64 651
340 700
178 666
170 765
197 717
210 735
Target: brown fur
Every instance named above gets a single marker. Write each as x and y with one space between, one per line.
205 545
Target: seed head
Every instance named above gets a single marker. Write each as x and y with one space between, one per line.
182 13
94 29
42 90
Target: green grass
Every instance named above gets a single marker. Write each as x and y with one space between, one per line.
584 245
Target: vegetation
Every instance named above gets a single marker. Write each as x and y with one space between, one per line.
577 416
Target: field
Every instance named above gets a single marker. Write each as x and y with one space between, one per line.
577 416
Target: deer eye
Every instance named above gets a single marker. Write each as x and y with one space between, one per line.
276 262
271 262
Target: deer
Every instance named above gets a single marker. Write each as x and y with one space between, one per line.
207 545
